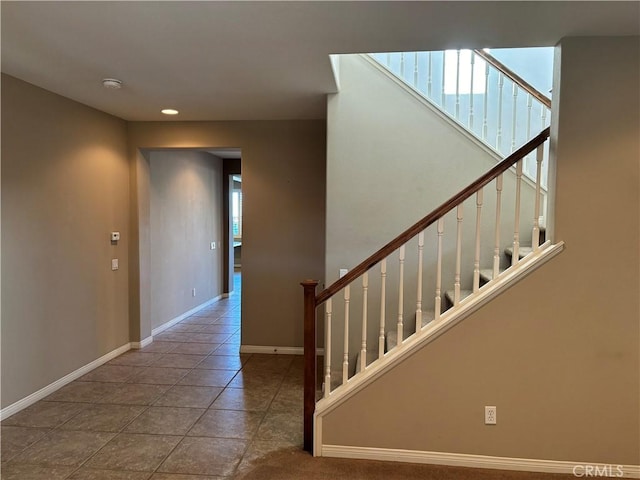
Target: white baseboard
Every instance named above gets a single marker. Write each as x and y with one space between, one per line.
273 350
579 469
52 387
143 343
49 389
181 317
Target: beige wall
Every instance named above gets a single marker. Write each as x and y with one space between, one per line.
390 161
64 189
71 175
186 216
558 353
283 177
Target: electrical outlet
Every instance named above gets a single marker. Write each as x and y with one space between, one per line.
193 292
490 417
213 245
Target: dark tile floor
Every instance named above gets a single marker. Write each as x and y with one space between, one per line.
187 407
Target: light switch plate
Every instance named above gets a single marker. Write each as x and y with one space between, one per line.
114 264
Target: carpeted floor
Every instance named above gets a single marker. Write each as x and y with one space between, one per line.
295 464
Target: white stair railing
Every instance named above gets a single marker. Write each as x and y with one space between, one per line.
431 226
471 84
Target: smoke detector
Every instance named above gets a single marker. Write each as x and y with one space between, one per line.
112 83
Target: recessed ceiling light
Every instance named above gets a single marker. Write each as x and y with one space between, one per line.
112 83
170 111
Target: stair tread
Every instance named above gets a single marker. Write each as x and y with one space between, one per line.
486 274
392 335
463 293
522 251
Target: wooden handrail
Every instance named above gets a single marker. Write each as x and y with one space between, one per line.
514 76
431 218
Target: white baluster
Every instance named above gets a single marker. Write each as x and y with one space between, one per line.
402 65
496 250
457 84
515 258
345 355
429 75
389 60
443 96
415 70
456 285
543 116
383 291
473 61
363 348
514 113
485 116
529 106
401 297
535 238
476 260
327 349
499 131
438 301
527 159
419 292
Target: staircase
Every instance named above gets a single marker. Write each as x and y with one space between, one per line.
371 302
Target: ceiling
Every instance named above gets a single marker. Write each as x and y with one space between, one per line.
243 60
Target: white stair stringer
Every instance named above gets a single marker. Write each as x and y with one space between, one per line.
430 332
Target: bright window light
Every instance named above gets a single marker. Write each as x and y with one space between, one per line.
451 68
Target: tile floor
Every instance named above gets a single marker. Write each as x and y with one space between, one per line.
187 407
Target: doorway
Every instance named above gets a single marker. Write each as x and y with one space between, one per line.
236 221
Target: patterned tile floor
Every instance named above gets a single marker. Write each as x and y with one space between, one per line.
187 407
